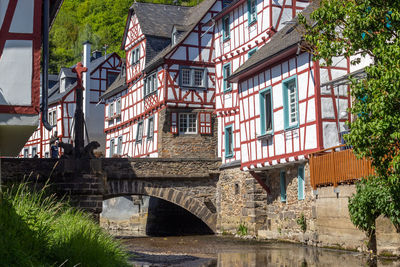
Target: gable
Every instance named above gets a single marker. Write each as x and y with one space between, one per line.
133 32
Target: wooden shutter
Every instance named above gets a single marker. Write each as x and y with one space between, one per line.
283 186
300 182
205 123
174 122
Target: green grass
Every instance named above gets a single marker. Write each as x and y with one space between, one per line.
38 230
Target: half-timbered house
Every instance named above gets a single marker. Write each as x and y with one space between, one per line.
102 71
162 105
20 50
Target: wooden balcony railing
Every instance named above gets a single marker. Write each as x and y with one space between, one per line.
337 165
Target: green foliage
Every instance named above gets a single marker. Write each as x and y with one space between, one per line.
358 29
242 229
301 221
102 22
375 196
38 230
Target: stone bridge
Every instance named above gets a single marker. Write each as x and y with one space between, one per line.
188 183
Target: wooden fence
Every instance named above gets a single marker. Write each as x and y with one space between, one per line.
337 165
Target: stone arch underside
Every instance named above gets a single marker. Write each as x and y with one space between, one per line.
198 208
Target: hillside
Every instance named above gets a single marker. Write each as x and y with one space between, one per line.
100 21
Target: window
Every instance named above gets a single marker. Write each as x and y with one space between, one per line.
118 106
26 153
119 145
187 123
283 186
150 84
111 76
34 151
225 3
229 141
111 110
290 103
52 118
135 55
139 133
112 145
226 32
251 52
252 11
300 182
174 36
193 77
266 111
226 72
150 128
47 155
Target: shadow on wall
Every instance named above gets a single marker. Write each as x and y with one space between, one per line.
167 219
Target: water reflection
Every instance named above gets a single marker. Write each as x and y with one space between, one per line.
210 251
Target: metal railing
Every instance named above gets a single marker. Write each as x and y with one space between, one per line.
337 165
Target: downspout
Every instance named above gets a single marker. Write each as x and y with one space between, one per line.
45 65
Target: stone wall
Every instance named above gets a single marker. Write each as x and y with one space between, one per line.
282 217
333 223
235 201
387 238
188 145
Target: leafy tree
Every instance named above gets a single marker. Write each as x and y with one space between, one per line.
102 22
367 29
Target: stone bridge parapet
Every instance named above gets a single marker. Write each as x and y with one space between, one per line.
189 183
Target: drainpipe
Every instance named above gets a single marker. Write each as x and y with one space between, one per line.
86 84
45 65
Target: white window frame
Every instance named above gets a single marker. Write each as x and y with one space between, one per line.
192 72
111 110
34 149
119 145
26 152
150 128
112 147
135 55
139 132
150 84
186 117
118 106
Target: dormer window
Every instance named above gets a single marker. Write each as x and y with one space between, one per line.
174 37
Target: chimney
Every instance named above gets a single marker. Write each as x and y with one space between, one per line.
86 80
96 54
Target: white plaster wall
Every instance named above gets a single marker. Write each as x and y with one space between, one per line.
22 21
16 73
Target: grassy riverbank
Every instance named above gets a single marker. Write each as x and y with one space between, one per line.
38 230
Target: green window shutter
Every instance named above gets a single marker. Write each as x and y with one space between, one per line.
283 186
300 182
285 105
262 112
228 141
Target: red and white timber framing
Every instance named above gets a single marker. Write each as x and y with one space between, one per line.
196 50
65 109
244 37
317 111
20 44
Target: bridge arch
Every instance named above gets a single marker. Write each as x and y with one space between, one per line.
204 210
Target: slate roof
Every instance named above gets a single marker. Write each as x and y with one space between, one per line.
54 92
186 25
158 19
117 86
288 37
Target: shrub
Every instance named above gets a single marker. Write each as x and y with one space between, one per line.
39 230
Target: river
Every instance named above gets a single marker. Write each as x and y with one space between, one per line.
207 251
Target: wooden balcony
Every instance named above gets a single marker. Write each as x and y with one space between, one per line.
337 165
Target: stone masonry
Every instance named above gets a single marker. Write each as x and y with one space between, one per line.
188 145
189 183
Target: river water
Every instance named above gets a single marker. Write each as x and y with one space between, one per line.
207 251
